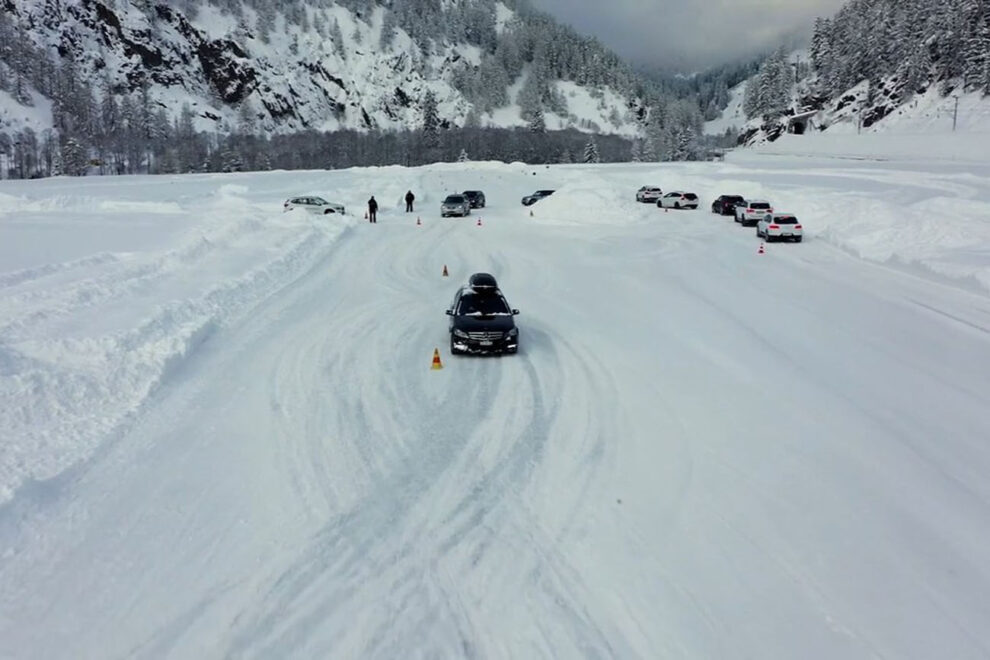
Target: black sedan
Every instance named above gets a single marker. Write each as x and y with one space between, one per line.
481 320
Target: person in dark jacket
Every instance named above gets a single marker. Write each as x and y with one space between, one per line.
409 201
372 210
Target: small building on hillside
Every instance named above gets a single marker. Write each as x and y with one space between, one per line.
799 123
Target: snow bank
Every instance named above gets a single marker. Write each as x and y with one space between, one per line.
891 207
592 200
85 342
922 147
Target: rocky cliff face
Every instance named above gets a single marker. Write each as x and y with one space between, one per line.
284 77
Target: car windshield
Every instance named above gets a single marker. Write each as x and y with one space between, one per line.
454 199
786 220
319 200
759 205
471 193
544 192
477 305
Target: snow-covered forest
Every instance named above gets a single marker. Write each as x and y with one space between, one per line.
899 47
128 87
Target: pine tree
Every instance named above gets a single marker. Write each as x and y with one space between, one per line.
537 124
74 157
636 151
463 157
431 121
337 38
591 152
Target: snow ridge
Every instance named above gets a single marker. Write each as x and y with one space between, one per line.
89 384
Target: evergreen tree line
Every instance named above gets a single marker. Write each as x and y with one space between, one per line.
917 41
180 150
769 92
709 89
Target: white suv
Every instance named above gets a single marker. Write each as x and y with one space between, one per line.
678 200
779 227
752 211
648 194
313 205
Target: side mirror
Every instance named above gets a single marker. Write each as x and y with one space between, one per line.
515 311
450 312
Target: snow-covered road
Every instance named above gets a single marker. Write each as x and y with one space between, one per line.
222 436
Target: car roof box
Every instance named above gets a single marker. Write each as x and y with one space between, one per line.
482 282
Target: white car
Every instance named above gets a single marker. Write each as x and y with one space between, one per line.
752 211
779 227
313 205
648 194
678 199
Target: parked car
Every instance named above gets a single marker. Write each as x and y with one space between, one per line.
726 204
455 205
313 205
475 198
749 214
678 200
481 320
528 200
780 227
648 194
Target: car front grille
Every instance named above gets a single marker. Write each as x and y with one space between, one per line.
485 335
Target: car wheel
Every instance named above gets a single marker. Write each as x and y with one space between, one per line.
798 239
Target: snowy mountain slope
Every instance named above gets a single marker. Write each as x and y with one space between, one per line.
880 65
223 437
330 67
15 116
732 117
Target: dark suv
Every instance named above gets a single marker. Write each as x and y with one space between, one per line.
726 204
475 198
529 200
481 320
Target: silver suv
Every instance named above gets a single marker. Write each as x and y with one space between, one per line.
455 205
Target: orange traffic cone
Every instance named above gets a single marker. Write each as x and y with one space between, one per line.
418 223
531 213
445 274
479 221
760 251
437 364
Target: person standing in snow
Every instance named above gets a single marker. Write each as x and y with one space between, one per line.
409 201
372 210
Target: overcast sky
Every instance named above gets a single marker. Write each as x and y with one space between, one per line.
687 35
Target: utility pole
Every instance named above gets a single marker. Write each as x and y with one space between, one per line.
955 113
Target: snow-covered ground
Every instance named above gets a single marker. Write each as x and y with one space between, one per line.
222 438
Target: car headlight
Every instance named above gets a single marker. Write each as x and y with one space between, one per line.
513 332
460 333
